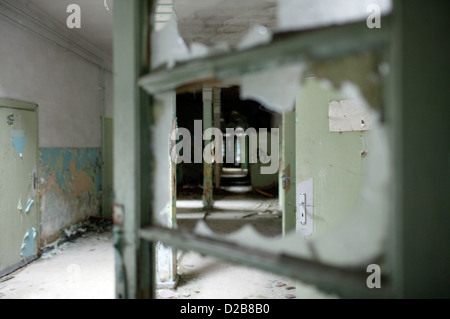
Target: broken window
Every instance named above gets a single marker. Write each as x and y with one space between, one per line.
330 80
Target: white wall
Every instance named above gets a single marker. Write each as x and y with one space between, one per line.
65 86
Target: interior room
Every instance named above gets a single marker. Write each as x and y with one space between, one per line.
224 149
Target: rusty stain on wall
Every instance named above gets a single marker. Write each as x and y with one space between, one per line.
51 184
70 189
287 179
82 182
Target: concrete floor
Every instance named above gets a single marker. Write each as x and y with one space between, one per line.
84 268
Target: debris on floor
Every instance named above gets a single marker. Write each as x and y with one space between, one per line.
70 271
166 293
72 231
268 191
264 193
92 225
55 248
83 248
67 235
290 288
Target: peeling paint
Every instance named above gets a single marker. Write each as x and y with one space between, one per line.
28 206
355 242
81 181
29 243
256 35
18 140
70 189
214 22
275 89
19 205
361 83
71 170
170 46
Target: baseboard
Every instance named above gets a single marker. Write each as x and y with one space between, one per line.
20 264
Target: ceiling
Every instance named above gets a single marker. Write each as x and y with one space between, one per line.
204 21
96 20
211 22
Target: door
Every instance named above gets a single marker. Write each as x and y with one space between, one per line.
19 213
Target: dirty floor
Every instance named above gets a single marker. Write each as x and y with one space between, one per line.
83 268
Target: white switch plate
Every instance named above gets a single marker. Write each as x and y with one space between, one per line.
305 207
302 208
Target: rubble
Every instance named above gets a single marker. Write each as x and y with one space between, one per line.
91 225
167 294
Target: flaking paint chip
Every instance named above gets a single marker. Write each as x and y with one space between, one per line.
167 294
290 288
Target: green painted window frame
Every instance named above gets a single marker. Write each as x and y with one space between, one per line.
412 99
286 48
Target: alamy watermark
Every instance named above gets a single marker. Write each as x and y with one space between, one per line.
374 279
228 147
374 19
73 21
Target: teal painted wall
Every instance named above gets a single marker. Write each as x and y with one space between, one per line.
66 89
70 188
333 160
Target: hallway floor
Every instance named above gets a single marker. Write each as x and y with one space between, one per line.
81 269
84 268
